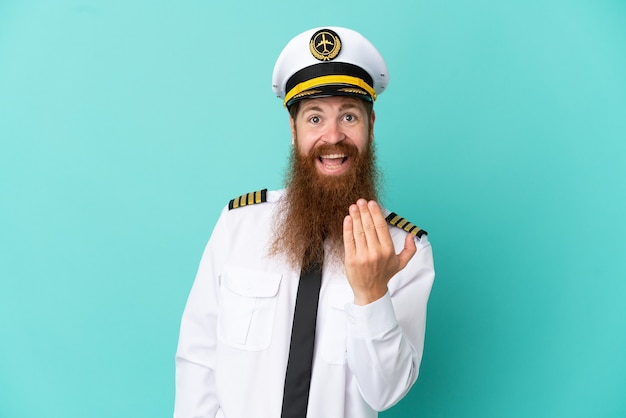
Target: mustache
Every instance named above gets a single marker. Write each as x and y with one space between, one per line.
349 150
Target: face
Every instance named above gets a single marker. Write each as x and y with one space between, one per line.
326 127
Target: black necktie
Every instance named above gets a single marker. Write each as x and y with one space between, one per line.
298 376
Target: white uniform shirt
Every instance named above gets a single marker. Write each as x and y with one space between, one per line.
236 329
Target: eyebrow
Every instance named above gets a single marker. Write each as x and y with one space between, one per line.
349 105
311 108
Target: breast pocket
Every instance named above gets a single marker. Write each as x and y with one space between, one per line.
247 307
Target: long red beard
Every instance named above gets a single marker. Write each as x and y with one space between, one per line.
314 206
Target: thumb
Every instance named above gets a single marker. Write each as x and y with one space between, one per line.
407 252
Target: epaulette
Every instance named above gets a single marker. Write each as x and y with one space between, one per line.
248 199
396 220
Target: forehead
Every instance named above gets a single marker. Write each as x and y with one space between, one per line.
331 102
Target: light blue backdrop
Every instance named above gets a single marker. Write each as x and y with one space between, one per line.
125 126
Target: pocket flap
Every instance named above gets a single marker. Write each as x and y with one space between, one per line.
251 283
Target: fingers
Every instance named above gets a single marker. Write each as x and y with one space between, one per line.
349 243
369 225
366 231
380 224
370 255
358 229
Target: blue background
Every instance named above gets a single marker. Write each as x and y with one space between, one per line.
125 127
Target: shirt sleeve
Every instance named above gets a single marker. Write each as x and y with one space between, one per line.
385 339
195 356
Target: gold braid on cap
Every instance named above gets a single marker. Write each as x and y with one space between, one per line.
329 79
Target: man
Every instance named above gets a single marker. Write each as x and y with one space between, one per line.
314 275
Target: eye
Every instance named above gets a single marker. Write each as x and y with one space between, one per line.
314 119
349 117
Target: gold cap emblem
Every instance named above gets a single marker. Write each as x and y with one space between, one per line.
325 45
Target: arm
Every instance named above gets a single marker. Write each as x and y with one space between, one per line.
385 334
195 357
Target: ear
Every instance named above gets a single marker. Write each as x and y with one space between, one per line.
292 124
372 120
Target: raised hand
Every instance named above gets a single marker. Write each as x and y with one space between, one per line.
370 257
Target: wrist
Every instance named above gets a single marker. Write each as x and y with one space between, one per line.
365 297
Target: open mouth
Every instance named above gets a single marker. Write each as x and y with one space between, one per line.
333 161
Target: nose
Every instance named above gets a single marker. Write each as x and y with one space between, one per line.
334 134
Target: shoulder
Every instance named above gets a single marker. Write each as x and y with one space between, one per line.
398 221
254 198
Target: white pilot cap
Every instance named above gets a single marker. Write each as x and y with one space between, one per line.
329 61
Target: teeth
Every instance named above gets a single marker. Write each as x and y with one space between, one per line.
332 156
332 167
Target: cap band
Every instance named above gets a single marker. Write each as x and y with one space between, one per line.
327 68
329 79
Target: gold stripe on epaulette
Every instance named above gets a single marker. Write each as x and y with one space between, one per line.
252 198
398 221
